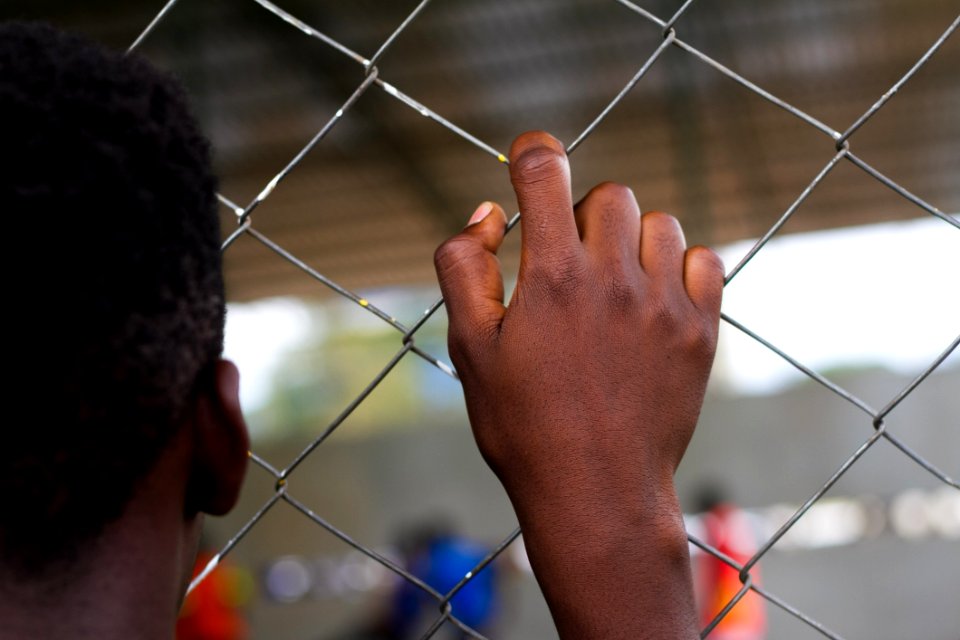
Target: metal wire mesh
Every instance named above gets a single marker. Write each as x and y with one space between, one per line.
672 28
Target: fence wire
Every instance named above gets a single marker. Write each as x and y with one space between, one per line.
671 30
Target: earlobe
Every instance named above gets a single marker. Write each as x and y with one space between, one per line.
220 443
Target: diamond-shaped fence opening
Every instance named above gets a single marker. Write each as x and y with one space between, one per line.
873 422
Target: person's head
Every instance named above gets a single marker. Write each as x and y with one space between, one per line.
113 295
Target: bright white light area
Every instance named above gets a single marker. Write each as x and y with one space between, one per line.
288 579
883 295
917 514
258 335
913 514
829 523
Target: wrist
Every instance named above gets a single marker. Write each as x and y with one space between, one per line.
616 569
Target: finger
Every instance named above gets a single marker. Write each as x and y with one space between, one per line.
541 178
608 219
661 248
703 275
469 275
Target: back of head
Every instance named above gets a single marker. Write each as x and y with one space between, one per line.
113 279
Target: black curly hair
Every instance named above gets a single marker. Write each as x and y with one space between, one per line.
112 272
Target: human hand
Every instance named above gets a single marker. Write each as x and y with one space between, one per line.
585 391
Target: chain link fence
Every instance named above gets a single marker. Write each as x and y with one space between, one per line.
672 30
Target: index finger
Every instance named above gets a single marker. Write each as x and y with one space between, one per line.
540 175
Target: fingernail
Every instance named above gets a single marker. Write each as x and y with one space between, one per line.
482 211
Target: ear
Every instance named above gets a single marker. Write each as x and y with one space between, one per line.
220 443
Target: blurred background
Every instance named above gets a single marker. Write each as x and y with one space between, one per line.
860 285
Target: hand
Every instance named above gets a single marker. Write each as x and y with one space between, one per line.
585 391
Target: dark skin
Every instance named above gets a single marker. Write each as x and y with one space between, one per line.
582 395
585 391
129 583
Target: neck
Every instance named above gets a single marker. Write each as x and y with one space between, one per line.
128 583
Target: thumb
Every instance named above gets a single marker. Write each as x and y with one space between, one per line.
470 280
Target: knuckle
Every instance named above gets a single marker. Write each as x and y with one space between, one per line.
620 284
683 327
536 157
663 227
611 209
707 254
621 294
533 140
610 192
701 339
664 317
710 257
651 216
453 252
560 277
698 333
536 165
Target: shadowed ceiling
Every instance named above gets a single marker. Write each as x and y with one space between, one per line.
369 204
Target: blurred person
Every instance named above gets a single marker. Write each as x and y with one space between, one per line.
214 610
582 393
440 557
728 529
435 553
